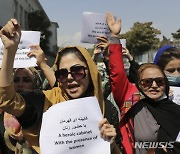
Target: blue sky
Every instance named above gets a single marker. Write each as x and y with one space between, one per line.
165 15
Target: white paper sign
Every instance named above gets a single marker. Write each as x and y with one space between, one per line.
72 127
93 25
178 138
123 42
21 59
176 94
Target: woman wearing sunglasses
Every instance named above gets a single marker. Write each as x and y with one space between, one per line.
27 79
12 140
77 75
149 120
168 59
155 116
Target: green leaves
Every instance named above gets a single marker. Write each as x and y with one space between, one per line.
38 21
176 35
141 38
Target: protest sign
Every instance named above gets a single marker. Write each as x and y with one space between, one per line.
93 25
21 59
123 42
72 127
178 138
176 94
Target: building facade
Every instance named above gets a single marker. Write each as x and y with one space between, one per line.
19 10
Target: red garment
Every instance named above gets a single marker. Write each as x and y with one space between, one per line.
125 94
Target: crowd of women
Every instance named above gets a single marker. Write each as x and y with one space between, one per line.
147 113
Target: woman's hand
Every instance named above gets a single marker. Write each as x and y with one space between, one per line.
95 53
107 131
171 93
101 47
38 53
11 34
114 25
103 43
127 54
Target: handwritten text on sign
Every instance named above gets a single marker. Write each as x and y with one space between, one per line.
72 127
21 59
93 25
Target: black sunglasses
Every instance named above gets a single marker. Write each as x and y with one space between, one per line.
146 83
77 72
23 79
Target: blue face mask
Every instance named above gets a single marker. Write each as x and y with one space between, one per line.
173 80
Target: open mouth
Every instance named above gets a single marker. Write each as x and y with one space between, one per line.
73 88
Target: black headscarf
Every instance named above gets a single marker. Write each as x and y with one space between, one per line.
165 112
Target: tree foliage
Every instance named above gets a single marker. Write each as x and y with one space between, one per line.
176 35
141 37
165 41
37 21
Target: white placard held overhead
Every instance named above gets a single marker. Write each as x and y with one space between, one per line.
21 59
72 127
93 25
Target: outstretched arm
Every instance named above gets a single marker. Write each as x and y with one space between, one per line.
41 62
121 87
10 35
134 66
10 101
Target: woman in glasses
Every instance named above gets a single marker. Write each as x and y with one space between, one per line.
139 122
155 116
12 140
168 59
27 79
77 75
79 72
